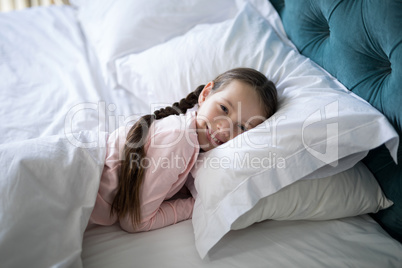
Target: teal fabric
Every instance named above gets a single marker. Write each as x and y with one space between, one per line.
360 43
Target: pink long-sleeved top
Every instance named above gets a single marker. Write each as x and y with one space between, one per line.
172 149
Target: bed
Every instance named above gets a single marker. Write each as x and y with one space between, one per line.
316 185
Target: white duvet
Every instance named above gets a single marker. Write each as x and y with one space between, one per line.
52 107
44 209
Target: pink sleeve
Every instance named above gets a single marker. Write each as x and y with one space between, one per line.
166 174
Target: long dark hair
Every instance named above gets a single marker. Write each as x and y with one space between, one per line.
131 176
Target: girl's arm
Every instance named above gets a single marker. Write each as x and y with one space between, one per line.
167 171
168 213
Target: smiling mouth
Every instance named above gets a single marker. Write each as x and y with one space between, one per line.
212 138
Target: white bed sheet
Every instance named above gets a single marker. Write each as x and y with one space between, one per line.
349 242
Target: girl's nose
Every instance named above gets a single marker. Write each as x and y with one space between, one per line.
225 129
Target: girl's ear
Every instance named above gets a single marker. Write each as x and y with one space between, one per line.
205 92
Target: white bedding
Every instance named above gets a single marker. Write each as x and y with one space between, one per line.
53 98
47 76
348 242
49 85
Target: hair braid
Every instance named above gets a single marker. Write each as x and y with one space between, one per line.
131 176
180 107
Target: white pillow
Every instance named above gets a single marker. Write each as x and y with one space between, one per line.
48 188
319 130
115 28
349 193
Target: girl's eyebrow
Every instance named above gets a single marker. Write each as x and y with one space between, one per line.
229 102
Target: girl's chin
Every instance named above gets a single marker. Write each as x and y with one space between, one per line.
204 144
206 148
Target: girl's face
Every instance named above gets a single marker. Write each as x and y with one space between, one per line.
226 113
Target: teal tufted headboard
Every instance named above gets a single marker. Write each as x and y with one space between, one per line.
360 43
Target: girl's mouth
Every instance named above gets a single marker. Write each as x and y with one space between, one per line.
212 138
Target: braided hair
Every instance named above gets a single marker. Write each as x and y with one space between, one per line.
127 199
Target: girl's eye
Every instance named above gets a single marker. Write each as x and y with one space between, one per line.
243 128
224 109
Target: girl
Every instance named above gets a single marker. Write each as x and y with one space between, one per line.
142 183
